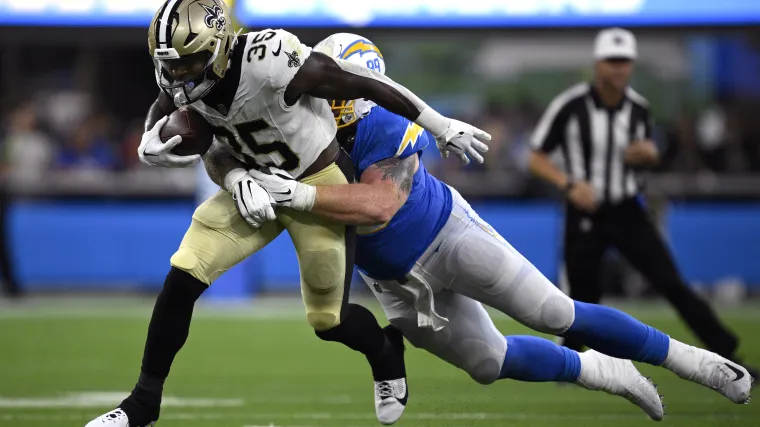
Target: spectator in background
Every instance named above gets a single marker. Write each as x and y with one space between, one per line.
681 153
750 144
27 150
90 147
712 138
26 154
498 147
132 137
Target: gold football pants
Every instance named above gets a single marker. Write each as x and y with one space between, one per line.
219 238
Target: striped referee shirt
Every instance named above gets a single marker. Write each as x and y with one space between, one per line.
592 138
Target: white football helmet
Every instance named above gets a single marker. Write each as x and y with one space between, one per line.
360 51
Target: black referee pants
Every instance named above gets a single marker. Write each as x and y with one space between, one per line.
628 228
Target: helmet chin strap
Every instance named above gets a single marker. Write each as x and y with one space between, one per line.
234 43
183 96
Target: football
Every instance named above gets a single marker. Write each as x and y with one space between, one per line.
196 133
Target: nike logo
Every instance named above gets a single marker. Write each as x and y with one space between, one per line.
737 371
402 400
405 398
279 49
282 192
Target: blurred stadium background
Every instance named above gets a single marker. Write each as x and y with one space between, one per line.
90 229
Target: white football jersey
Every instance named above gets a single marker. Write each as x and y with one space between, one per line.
248 109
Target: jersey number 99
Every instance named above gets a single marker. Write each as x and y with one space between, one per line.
246 131
374 64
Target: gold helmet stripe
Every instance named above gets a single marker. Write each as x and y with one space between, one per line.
164 32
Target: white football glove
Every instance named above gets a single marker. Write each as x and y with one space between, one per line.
463 140
284 190
152 151
454 136
252 201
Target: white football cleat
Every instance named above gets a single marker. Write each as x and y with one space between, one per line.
390 400
710 370
115 418
620 377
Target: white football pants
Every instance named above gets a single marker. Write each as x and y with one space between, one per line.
438 305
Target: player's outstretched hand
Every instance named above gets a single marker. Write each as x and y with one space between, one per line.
284 189
152 151
253 202
464 141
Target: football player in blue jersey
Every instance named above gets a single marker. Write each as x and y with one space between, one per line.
431 261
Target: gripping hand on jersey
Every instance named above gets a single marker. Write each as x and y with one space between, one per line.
152 151
284 190
252 201
464 141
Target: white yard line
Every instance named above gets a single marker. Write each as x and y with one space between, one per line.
106 399
369 416
98 399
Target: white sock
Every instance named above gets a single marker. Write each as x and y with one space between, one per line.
683 360
591 376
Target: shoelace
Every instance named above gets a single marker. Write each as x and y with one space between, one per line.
384 389
720 377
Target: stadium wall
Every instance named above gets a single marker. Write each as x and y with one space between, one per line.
124 245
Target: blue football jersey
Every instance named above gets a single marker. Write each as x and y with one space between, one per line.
389 251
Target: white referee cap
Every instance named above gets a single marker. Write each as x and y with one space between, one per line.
615 43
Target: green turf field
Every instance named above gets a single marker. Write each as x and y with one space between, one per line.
63 364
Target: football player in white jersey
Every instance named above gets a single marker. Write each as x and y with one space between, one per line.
431 261
263 93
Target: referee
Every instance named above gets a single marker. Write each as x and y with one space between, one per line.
601 132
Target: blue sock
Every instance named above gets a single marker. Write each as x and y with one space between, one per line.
617 334
537 359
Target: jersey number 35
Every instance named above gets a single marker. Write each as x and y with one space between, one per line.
246 131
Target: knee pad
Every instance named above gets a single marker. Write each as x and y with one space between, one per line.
199 253
323 320
195 254
486 371
540 305
323 277
557 313
323 271
481 359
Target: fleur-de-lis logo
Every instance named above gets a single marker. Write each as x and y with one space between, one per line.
293 59
214 17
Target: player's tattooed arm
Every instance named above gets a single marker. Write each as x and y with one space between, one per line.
323 77
219 162
162 106
382 190
400 171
